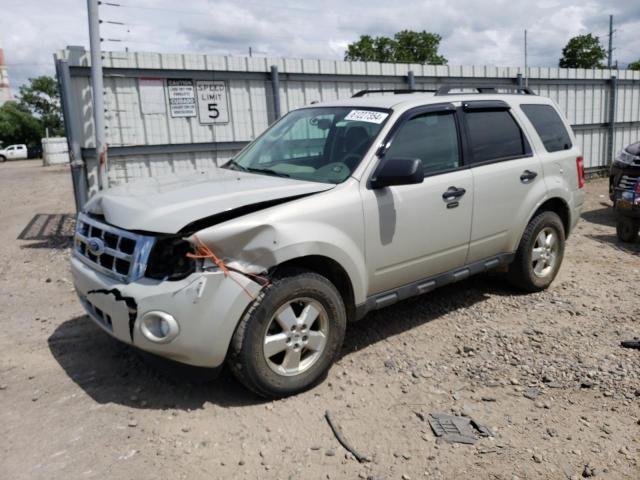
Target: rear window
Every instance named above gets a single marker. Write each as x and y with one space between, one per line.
494 135
549 126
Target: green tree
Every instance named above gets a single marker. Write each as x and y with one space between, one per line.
406 46
42 98
583 51
18 125
634 65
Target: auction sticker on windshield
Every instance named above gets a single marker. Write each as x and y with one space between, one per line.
370 116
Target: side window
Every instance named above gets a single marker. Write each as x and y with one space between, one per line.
433 138
549 126
494 134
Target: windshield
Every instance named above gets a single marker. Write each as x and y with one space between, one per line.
323 144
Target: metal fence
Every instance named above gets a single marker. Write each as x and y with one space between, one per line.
183 112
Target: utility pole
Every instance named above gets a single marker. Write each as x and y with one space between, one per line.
526 68
250 52
610 59
97 88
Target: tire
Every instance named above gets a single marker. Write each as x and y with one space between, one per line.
268 367
612 192
3 159
533 274
627 229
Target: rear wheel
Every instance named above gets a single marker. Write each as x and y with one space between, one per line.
627 229
290 336
539 254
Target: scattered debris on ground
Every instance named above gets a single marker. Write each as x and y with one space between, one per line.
456 429
343 441
544 372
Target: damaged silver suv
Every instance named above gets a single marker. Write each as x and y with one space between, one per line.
338 209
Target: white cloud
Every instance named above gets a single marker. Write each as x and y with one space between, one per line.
487 32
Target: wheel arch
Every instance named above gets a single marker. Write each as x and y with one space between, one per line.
332 271
558 206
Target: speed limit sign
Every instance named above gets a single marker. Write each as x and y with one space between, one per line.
212 101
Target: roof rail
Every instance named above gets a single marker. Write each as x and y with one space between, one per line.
362 93
446 89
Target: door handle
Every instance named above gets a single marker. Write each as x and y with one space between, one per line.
528 176
453 193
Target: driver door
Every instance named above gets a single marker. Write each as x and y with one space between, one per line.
418 231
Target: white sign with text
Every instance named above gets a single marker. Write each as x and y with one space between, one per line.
213 106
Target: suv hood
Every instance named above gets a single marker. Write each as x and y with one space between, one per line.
169 203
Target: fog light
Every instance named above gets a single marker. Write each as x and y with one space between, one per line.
159 327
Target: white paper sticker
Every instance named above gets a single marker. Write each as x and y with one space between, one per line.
152 95
370 116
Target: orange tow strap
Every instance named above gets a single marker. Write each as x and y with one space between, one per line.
202 251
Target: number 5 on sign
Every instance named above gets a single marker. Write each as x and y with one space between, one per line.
213 106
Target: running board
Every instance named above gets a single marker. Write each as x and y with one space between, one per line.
426 285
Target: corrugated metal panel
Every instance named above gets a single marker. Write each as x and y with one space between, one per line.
582 95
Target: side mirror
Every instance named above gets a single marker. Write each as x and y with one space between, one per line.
398 171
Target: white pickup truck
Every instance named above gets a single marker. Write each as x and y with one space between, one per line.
13 152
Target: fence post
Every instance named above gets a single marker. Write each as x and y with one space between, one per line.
275 88
519 80
613 93
72 128
411 80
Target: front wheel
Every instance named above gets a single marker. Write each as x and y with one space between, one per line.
3 158
539 254
627 229
290 336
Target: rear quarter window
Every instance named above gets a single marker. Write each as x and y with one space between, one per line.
549 127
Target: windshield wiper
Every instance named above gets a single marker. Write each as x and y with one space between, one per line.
266 170
235 164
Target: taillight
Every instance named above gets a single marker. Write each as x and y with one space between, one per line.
580 168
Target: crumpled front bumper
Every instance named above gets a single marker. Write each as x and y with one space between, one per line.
206 305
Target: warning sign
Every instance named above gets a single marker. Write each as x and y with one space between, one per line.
212 101
182 98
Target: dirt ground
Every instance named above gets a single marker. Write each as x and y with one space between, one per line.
545 372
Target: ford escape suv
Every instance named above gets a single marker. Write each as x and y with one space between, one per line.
338 209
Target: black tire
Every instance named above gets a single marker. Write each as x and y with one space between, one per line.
627 229
3 158
247 359
612 192
522 273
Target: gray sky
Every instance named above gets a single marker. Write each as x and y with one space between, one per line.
473 32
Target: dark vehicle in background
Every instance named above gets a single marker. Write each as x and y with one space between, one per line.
625 170
624 191
34 151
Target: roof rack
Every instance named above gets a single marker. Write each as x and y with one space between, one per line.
400 91
446 89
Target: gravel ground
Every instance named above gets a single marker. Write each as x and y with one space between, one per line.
544 372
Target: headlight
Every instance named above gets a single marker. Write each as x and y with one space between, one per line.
168 259
626 157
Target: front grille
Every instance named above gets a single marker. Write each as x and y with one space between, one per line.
116 252
628 182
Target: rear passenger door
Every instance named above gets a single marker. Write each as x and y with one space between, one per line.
417 231
507 178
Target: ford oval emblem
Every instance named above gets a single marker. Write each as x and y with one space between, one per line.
95 246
